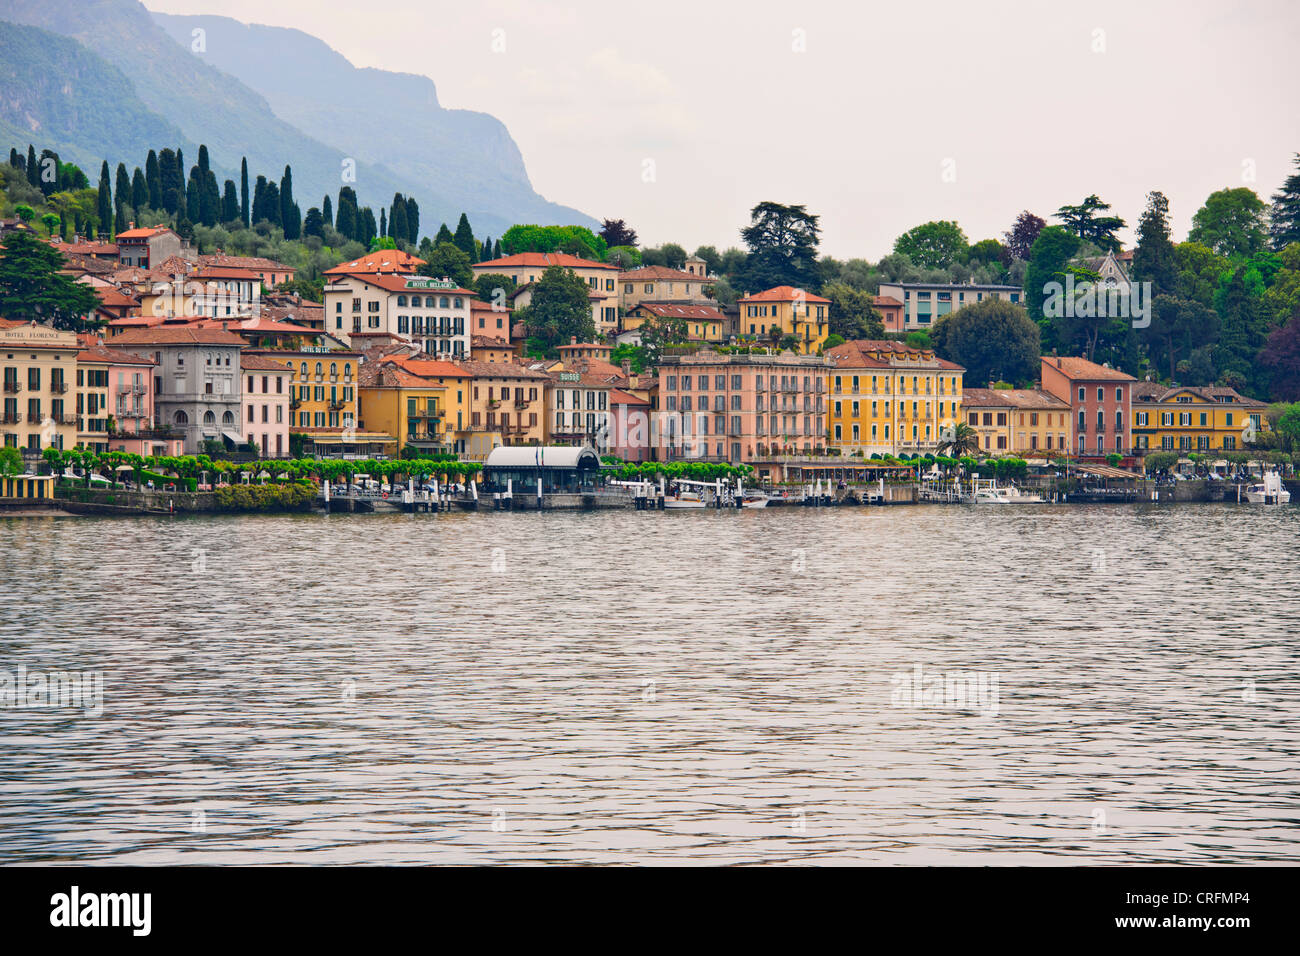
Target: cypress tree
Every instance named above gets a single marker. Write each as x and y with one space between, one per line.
194 196
243 191
398 226
271 201
119 221
367 227
139 190
496 250
230 203
313 224
290 217
51 159
105 204
122 186
383 222
327 213
486 252
153 180
346 219
203 157
170 182
1285 214
33 174
413 220
444 235
16 159
464 238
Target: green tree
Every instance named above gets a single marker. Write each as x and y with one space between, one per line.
1283 296
11 461
852 313
559 310
243 191
464 238
993 339
933 245
493 287
31 286
139 190
1153 259
448 261
1232 223
1178 328
782 243
290 216
104 199
1082 220
1280 357
1198 270
153 180
1240 304
444 235
1285 217
1048 258
616 232
398 225
576 240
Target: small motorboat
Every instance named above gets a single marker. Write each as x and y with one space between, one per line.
1268 492
995 494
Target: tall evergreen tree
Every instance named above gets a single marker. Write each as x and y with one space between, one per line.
153 180
16 159
464 238
1153 259
105 201
346 218
230 203
271 201
485 254
1285 218
496 250
203 157
33 174
243 191
327 212
290 218
171 183
139 190
313 224
367 228
119 219
122 185
398 225
383 221
194 196
444 235
49 161
412 220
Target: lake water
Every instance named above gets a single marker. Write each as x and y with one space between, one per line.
659 687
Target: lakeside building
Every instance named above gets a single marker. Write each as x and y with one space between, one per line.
423 403
924 303
1193 419
526 268
1101 403
738 407
1026 422
433 314
775 313
115 403
507 406
578 408
490 320
147 246
40 365
390 261
887 397
196 381
629 426
266 398
663 284
268 271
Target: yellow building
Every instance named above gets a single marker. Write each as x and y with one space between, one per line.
507 403
39 367
419 402
1185 419
703 323
772 315
1022 421
323 386
886 397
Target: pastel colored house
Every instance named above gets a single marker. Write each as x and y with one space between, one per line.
771 315
1194 419
1100 400
1023 422
266 397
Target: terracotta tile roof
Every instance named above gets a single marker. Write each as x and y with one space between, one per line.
88 248
541 260
256 263
857 354
1027 398
658 273
174 265
886 300
480 306
1152 393
619 397
261 363
392 282
672 310
144 232
260 323
488 342
226 272
784 293
1081 370
116 297
175 335
429 368
381 260
100 354
499 370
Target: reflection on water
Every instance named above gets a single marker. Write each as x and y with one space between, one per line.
642 687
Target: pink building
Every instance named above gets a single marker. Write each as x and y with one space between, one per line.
629 426
1100 400
115 403
265 398
738 408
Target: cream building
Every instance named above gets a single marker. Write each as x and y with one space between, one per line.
39 366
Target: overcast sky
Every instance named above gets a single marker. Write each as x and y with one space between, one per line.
877 116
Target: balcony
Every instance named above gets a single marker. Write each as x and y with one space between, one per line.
11 418
59 388
68 419
336 405
12 387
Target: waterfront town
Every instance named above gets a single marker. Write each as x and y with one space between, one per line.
453 350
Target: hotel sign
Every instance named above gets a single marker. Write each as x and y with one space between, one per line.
570 377
430 284
38 335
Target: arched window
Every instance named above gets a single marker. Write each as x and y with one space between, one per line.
460 303
428 302
320 368
209 418
334 369
443 302
304 370
181 418
228 418
401 300
347 371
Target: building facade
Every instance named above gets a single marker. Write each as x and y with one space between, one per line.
526 268
886 397
1101 403
39 367
1022 422
924 303
661 284
432 314
266 397
1185 419
771 315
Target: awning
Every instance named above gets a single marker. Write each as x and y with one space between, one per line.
231 437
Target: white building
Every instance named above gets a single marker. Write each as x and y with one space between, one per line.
924 303
433 314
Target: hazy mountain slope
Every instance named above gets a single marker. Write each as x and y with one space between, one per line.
55 93
377 116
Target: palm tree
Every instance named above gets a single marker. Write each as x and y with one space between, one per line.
961 440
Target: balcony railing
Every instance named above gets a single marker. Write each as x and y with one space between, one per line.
11 418
59 388
12 387
69 419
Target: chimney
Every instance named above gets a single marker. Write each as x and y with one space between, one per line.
573 340
627 367
225 326
991 384
131 224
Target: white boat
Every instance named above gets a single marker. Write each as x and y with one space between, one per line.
1269 492
754 500
990 492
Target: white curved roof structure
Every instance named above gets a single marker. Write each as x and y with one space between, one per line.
544 456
